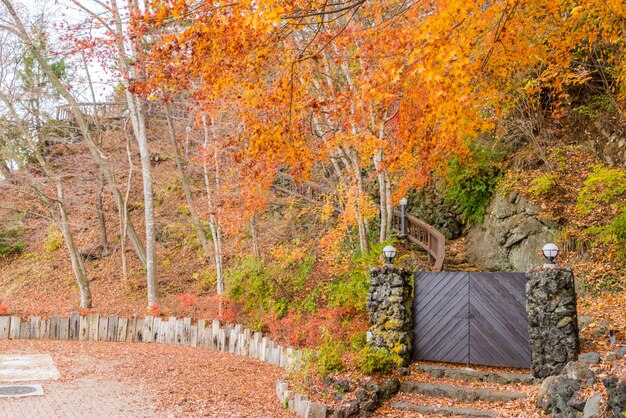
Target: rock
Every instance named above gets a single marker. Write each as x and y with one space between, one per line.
348 409
555 395
592 407
579 370
590 358
577 402
616 391
389 304
602 329
552 320
583 321
509 236
610 357
316 410
621 352
404 371
388 389
342 385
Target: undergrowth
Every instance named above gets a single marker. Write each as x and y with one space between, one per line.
471 182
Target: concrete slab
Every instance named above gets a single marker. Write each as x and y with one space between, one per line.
20 391
27 367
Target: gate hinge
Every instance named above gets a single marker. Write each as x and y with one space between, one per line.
469 315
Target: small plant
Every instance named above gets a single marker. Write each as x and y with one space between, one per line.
11 242
542 185
4 310
153 310
603 185
54 239
378 361
186 301
329 357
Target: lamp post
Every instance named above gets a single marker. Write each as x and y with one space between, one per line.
403 203
389 253
550 252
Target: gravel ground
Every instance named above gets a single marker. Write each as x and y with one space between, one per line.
147 380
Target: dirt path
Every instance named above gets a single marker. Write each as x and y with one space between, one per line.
106 380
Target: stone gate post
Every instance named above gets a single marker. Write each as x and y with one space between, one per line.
552 320
389 304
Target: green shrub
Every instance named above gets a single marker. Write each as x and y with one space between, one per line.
54 239
328 358
350 290
11 242
378 361
603 185
471 182
542 185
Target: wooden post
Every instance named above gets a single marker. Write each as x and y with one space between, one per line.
74 326
83 331
35 327
45 329
25 330
148 335
179 332
201 332
122 327
215 331
131 335
94 322
139 337
171 330
186 331
5 325
193 341
14 329
53 334
103 329
64 329
112 328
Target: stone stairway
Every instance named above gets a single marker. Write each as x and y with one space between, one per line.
450 391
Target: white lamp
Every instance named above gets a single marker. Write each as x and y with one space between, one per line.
389 253
550 252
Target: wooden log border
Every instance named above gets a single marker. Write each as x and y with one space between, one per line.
212 335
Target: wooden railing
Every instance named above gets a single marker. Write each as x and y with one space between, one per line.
417 231
101 110
114 110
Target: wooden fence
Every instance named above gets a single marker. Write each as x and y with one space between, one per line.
206 334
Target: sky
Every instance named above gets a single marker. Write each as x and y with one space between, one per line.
63 11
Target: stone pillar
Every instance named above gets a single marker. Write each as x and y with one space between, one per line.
552 320
389 304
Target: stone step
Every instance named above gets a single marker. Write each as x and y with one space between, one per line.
468 375
442 410
440 390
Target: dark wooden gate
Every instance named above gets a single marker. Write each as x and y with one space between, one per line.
473 318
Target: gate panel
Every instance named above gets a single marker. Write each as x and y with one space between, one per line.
498 321
440 309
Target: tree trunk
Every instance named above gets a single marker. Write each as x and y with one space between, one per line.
77 260
214 221
185 183
101 217
135 108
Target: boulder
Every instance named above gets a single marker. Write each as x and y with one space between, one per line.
616 391
555 395
593 407
590 358
579 370
510 235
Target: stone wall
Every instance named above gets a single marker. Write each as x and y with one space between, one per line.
508 239
389 304
552 320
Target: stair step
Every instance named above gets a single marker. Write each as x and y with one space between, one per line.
440 390
442 410
468 375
